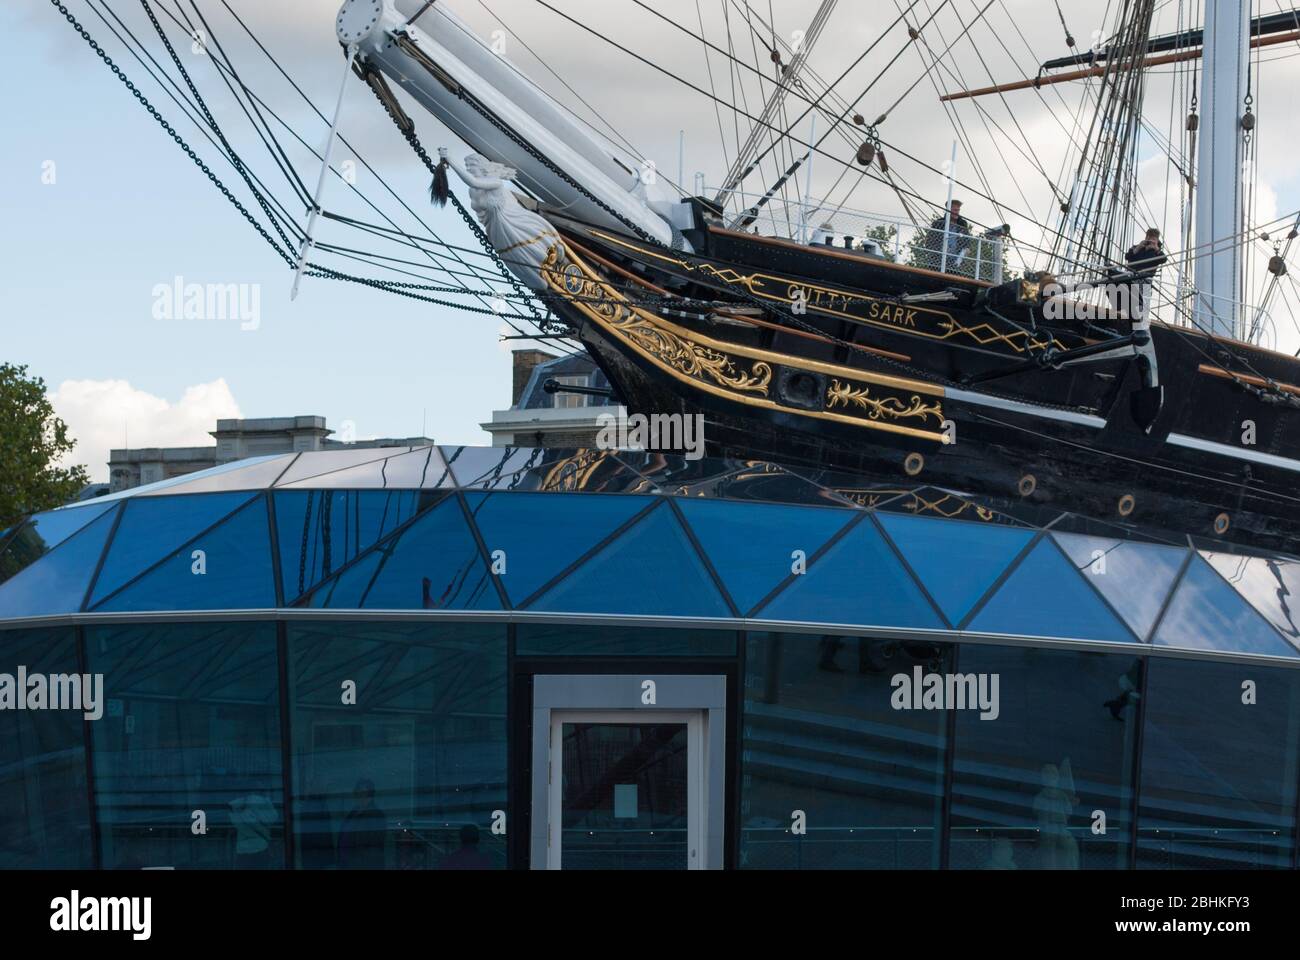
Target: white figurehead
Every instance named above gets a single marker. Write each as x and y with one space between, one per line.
522 238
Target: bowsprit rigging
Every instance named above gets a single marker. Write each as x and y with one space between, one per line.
886 343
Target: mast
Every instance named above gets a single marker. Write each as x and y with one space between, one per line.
744 162
1220 215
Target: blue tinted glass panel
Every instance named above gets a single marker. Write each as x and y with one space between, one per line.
1270 584
46 817
1218 773
1207 614
650 569
752 545
233 571
41 534
323 530
154 527
858 580
820 735
434 564
1027 781
956 560
58 582
1046 597
566 640
542 535
409 776
1135 577
191 722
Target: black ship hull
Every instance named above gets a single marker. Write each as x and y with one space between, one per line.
841 362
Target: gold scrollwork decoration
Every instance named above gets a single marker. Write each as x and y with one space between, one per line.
845 394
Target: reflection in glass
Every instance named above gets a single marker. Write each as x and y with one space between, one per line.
1207 614
44 816
820 735
956 560
58 580
542 535
651 568
1270 584
1027 786
751 545
399 745
320 531
153 527
1218 766
1046 597
41 534
191 723
1134 577
624 796
227 567
432 564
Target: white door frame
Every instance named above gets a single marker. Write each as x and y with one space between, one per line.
696 802
699 700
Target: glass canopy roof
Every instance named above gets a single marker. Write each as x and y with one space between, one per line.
637 534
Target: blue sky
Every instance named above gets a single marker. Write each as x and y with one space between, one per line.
128 211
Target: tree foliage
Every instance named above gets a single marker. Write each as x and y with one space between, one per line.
32 441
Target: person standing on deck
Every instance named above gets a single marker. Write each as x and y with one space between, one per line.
952 228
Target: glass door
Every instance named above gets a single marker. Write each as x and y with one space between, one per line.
625 790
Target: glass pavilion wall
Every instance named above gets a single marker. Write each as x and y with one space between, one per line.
323 660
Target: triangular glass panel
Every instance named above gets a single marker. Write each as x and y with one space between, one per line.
434 564
421 468
253 473
752 546
321 531
542 535
1207 614
153 527
57 583
651 569
1270 584
320 463
1046 597
857 581
957 560
226 568
479 466
1135 577
42 533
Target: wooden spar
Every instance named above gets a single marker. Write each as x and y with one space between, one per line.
1099 70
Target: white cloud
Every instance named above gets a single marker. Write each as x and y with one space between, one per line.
105 414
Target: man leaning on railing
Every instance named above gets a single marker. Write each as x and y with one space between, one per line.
955 229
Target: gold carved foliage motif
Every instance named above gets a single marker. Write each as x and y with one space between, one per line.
682 354
892 408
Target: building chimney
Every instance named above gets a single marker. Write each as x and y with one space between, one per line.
525 361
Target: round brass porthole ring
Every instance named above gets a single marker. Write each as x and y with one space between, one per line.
914 464
1028 484
1221 524
1126 504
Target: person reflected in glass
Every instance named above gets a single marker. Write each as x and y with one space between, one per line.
1130 683
253 816
1053 806
364 832
468 856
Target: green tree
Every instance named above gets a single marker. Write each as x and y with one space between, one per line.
32 439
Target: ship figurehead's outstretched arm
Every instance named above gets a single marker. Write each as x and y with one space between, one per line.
477 183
